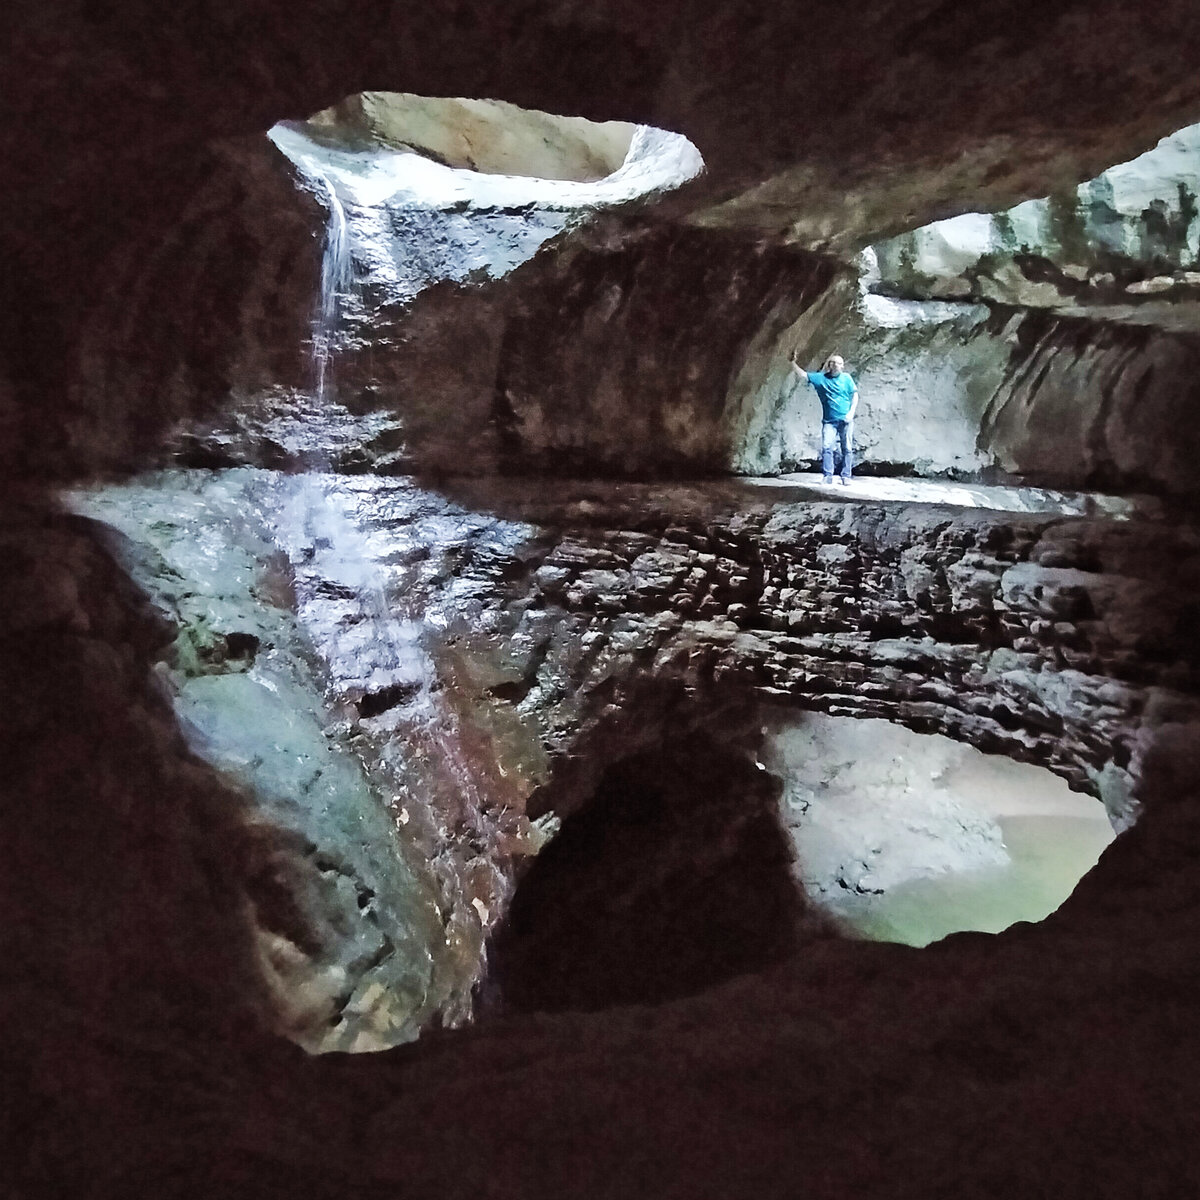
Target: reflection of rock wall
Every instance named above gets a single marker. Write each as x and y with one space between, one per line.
348 918
868 808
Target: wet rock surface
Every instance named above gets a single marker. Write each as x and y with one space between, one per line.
152 279
562 634
425 685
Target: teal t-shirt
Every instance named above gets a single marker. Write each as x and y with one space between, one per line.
836 392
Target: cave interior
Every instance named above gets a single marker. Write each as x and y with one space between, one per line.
458 743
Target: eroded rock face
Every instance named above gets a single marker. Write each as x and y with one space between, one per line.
1051 341
131 237
612 357
969 390
481 135
134 925
413 692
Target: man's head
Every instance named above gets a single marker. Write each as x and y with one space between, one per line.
834 364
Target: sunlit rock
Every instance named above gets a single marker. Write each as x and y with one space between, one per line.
486 136
909 836
1072 248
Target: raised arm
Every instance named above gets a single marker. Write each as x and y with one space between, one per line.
796 366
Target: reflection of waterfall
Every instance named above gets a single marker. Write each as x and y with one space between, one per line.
337 282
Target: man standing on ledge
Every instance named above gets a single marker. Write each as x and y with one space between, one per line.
839 400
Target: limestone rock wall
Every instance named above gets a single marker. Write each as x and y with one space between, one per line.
485 660
968 389
1044 342
612 356
1131 232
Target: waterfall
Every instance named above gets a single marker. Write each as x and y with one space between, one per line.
337 282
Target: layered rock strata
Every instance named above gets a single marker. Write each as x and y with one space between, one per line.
486 660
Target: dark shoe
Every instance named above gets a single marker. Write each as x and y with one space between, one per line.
845 481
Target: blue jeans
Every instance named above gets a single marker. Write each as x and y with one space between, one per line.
833 432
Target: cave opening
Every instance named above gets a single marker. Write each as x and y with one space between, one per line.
696 862
907 837
1032 346
421 191
675 877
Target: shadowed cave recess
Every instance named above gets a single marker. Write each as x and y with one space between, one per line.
458 743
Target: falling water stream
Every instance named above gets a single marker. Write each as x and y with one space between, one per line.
337 283
320 527
395 224
346 588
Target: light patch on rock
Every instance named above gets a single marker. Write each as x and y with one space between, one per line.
910 836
